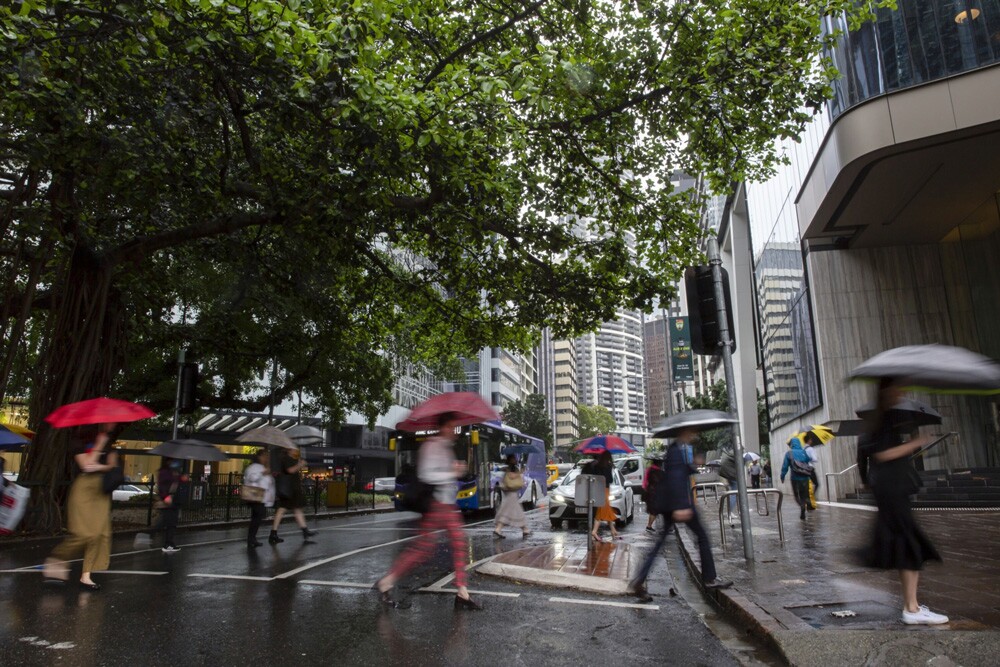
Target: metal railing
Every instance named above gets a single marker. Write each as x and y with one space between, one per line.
827 476
705 486
755 492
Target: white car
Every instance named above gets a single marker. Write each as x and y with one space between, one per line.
127 491
385 484
632 471
563 508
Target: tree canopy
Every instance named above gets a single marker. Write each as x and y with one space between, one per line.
531 417
342 188
594 420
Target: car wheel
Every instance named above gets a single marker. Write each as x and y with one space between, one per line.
534 496
497 497
631 512
556 523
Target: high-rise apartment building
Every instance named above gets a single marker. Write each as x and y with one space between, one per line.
609 366
558 383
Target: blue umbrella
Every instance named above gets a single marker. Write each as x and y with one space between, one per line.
11 440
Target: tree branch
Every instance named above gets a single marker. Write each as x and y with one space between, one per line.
144 246
479 39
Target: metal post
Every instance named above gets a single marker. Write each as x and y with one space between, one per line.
229 495
177 399
725 338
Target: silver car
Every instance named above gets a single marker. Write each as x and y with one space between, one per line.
563 508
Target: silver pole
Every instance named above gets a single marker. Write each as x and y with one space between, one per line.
727 363
177 398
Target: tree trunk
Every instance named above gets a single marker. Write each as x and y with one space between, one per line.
83 353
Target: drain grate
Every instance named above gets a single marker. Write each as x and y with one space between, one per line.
847 614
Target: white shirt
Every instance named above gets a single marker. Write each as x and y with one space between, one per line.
436 466
256 475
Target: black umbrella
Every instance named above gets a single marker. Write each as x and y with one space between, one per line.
191 450
940 368
921 413
699 420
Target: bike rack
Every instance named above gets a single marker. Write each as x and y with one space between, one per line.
705 486
755 492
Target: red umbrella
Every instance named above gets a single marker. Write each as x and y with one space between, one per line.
98 411
604 443
467 408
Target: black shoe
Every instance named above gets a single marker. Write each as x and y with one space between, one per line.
254 543
718 583
802 513
308 533
273 537
640 591
498 536
90 587
464 603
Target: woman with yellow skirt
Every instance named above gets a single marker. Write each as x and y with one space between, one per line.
603 466
88 511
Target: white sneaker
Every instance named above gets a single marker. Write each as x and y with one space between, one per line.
171 550
923 616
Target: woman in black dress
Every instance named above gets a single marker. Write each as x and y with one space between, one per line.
289 492
884 462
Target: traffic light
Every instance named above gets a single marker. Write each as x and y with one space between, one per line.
704 310
188 397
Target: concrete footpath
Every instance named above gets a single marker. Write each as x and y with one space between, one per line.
814 601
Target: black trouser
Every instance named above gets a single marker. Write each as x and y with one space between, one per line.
167 522
800 487
755 481
704 547
257 512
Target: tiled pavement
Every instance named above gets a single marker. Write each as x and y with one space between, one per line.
790 592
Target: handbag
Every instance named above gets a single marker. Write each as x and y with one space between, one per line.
112 479
417 496
512 482
252 494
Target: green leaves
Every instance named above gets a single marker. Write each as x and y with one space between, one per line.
406 179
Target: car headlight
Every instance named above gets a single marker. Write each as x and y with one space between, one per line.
558 497
616 496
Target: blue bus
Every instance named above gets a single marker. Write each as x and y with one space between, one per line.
484 448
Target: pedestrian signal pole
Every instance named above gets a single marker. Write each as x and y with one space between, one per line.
725 344
177 399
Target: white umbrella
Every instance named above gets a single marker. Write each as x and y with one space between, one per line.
935 367
699 420
750 457
190 450
268 435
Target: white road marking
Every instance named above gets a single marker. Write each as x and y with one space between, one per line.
231 576
336 584
863 508
602 603
309 566
148 572
62 646
454 591
445 580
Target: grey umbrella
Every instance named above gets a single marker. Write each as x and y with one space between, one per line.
268 435
921 413
304 434
190 450
699 420
936 367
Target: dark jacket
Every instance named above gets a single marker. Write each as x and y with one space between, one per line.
673 492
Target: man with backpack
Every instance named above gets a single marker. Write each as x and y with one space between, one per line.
798 461
673 501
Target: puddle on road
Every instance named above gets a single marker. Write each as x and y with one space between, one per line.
744 647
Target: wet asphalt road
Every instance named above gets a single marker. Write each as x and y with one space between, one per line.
216 603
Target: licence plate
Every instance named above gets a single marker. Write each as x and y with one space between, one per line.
581 510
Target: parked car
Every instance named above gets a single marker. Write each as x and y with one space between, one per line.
563 508
382 485
127 491
632 470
